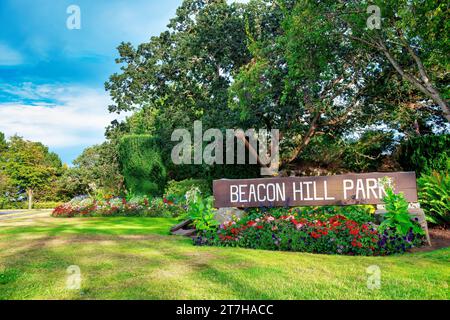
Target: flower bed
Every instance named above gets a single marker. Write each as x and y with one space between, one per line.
140 207
316 233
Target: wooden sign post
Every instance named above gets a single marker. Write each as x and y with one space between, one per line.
340 190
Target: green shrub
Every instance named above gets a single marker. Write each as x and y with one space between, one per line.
201 211
5 204
142 164
46 205
22 205
397 216
180 188
434 196
425 153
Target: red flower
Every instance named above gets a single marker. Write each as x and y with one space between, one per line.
315 235
259 227
251 223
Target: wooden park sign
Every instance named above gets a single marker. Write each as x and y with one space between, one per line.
338 190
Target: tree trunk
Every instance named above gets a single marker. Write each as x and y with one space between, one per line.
30 199
423 84
306 139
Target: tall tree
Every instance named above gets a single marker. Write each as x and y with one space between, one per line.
412 37
99 165
185 72
3 144
303 79
29 165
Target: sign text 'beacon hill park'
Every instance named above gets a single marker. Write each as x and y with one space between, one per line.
311 191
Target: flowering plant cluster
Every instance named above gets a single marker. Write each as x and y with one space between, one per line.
110 206
332 235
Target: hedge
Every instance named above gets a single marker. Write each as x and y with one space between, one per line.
142 164
425 154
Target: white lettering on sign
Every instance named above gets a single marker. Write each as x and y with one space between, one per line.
234 197
372 186
325 188
358 189
365 189
309 191
348 185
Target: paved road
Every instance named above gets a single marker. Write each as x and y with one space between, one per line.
18 214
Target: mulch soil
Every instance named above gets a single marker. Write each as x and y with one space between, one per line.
440 238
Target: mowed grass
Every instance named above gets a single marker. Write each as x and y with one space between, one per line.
135 258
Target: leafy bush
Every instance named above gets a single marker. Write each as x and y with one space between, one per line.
434 196
5 204
397 216
142 164
425 153
201 211
46 205
180 188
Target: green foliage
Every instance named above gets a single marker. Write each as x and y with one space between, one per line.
201 211
425 153
142 164
184 75
96 165
3 143
180 188
29 164
362 154
434 196
366 153
29 167
397 216
6 204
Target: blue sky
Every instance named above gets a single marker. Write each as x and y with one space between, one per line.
51 78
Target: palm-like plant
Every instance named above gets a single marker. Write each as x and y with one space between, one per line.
434 196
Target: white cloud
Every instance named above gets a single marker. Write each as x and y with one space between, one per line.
9 56
78 118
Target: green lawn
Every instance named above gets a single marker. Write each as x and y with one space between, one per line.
135 258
